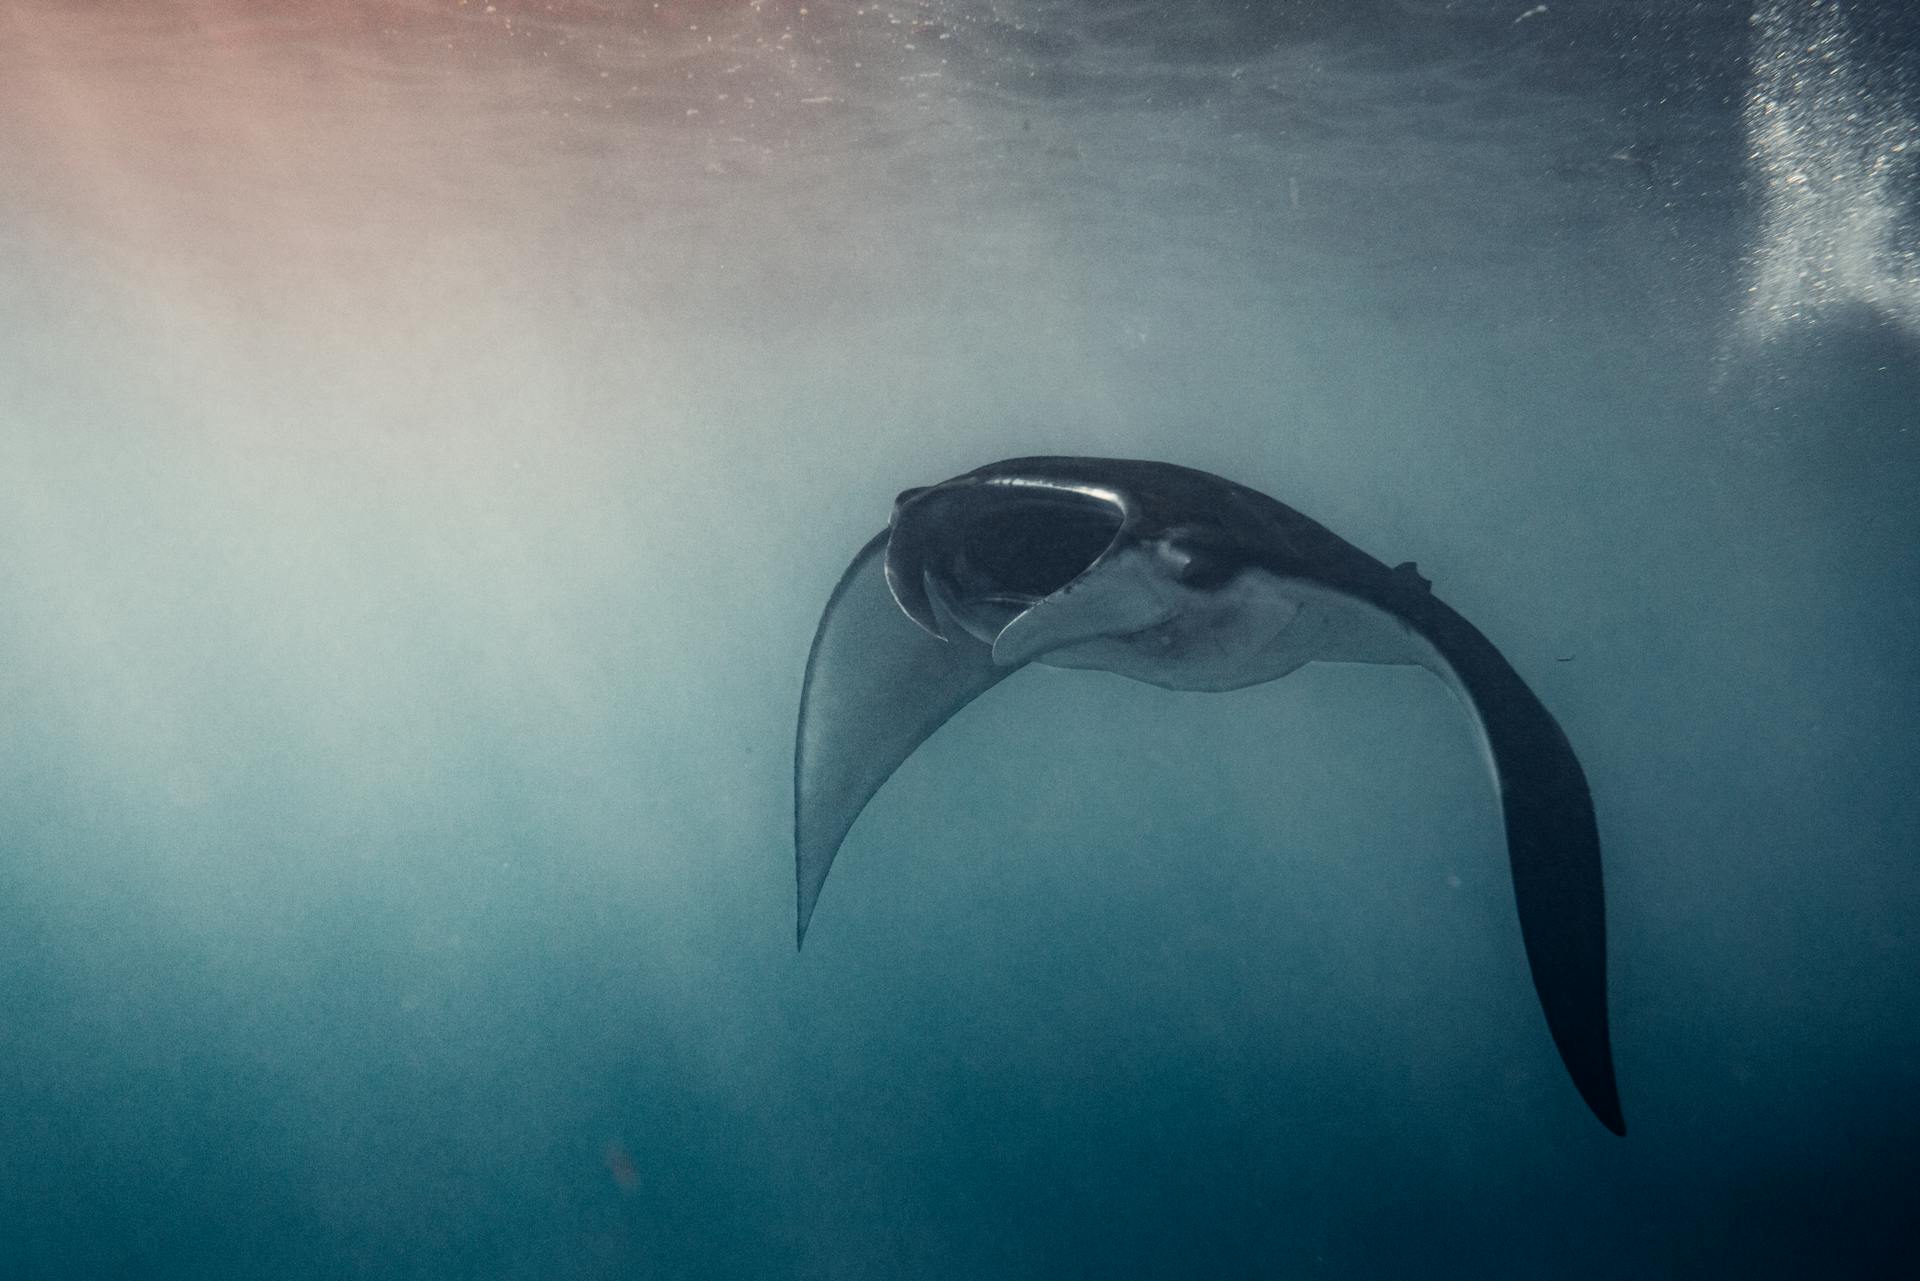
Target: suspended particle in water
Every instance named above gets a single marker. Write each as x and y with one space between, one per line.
620 1165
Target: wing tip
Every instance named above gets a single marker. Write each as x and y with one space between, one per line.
1605 1104
803 909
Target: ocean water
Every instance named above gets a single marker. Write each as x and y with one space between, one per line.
429 430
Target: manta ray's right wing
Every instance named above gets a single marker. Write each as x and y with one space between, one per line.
877 686
1552 843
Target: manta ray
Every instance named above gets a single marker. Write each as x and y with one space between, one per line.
1188 581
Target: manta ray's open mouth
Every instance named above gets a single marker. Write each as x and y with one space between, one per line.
988 552
1032 546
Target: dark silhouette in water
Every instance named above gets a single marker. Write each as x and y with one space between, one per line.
1187 581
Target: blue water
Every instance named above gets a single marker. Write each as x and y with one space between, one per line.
429 432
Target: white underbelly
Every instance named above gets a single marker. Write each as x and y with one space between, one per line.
1257 627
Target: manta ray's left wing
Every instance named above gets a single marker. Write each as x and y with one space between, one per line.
877 686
